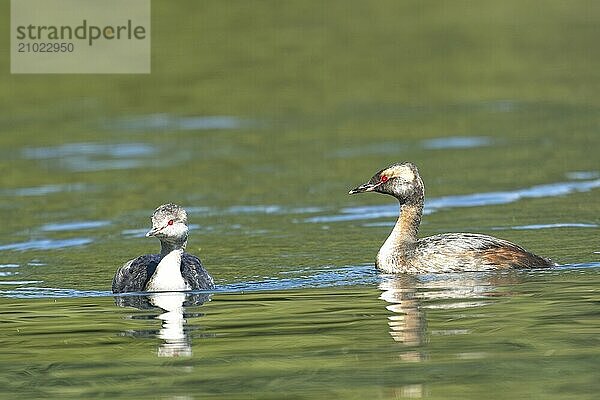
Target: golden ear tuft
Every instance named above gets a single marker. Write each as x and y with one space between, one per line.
399 171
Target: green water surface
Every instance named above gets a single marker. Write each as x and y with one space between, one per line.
258 117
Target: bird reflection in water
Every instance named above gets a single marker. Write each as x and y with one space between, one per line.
174 331
409 295
408 298
407 324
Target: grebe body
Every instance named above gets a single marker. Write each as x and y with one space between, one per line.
404 252
171 270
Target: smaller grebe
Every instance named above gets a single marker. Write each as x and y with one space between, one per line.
171 270
403 252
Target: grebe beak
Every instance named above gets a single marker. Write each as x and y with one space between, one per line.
365 187
152 232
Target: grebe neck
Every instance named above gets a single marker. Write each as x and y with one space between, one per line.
168 247
167 276
407 227
399 246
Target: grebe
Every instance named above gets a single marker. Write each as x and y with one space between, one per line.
403 252
171 270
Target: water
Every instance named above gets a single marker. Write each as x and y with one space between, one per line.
259 130
455 336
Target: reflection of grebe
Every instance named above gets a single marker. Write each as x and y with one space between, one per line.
171 270
407 323
176 342
404 252
411 297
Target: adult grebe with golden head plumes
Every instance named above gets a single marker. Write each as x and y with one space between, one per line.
404 252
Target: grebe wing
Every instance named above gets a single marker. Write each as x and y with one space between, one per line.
194 273
476 252
134 274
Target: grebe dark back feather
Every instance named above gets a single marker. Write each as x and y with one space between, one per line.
171 270
404 252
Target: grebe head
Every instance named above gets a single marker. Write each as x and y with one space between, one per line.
169 224
400 180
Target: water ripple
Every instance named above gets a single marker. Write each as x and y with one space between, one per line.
547 226
583 175
115 150
456 142
46 244
42 292
268 209
94 156
73 226
320 278
43 190
393 147
17 283
442 286
167 122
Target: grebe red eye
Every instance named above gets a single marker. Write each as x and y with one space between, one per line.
170 222
383 179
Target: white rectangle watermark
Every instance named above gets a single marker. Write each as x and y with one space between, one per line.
80 36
